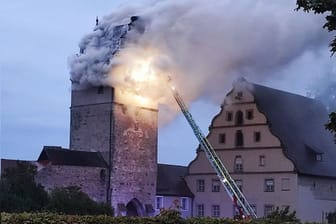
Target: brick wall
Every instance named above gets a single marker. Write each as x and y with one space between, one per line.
90 179
134 162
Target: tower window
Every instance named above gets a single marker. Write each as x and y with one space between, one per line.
239 118
239 138
257 136
221 138
102 175
249 114
238 164
229 116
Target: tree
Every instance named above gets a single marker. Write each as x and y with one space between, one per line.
282 216
331 125
71 200
320 7
18 190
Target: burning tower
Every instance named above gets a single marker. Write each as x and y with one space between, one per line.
124 133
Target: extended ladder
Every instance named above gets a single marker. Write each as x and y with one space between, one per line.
229 184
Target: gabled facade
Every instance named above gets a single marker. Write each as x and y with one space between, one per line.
275 147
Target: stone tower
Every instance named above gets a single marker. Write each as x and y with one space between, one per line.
126 136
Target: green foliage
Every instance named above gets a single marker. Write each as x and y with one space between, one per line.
52 218
20 193
322 6
282 216
71 200
331 125
18 190
170 216
331 217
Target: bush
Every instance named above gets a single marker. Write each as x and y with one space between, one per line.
71 200
18 190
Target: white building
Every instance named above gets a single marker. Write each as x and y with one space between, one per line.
276 148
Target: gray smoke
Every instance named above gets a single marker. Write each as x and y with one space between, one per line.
207 42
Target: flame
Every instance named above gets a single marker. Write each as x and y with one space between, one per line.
137 79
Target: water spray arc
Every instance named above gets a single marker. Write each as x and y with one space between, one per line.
237 197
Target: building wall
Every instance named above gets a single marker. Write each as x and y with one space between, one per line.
91 120
253 175
174 202
89 179
316 197
134 159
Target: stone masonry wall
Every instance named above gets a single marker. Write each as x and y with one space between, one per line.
90 128
91 180
134 161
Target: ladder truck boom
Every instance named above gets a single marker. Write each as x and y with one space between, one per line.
225 178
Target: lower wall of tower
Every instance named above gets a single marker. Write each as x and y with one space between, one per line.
134 161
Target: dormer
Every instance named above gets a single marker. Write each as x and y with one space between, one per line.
315 154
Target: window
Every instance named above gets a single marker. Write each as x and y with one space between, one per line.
268 209
200 210
200 185
318 157
239 184
239 118
262 160
249 114
215 185
239 138
102 175
184 204
285 184
257 136
238 164
158 202
100 90
215 210
269 185
221 138
239 95
229 116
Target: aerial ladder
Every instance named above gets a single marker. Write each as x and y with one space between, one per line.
237 197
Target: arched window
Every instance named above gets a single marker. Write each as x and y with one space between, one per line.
239 138
239 118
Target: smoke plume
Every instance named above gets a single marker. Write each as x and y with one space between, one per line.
203 44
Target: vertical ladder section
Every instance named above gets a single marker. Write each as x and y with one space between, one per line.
229 184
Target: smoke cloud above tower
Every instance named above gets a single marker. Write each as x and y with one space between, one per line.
204 44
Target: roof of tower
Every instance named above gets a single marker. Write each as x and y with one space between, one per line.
299 121
60 156
170 181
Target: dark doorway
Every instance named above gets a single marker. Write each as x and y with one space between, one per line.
134 208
